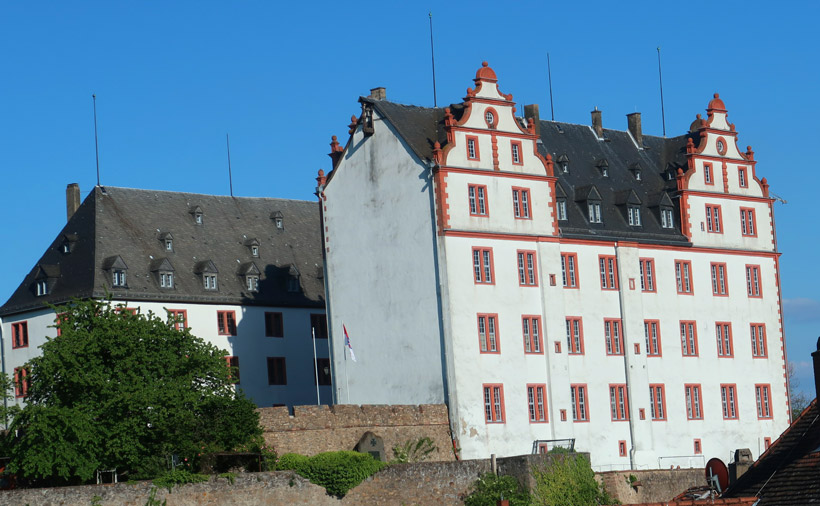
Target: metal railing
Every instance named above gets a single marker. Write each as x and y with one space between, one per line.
545 445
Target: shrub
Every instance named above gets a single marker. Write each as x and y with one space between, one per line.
489 488
293 462
178 477
414 451
340 471
568 481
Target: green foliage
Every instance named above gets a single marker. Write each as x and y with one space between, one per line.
124 391
293 462
568 481
560 450
231 477
338 472
414 451
178 477
152 499
8 408
489 488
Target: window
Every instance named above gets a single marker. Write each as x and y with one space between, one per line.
707 173
489 117
713 221
233 368
472 147
318 325
277 373
594 210
493 403
19 335
209 281
666 218
683 276
41 287
487 339
226 323
483 265
478 199
293 283
536 401
274 325
169 245
622 448
527 274
762 393
723 334
618 405
653 337
693 409
531 327
166 279
323 371
198 218
569 273
252 282
609 274
516 152
179 317
118 278
634 215
647 271
688 339
753 280
255 251
747 222
578 398
698 447
657 402
21 382
719 279
767 442
58 322
561 208
741 177
575 336
613 337
728 398
758 331
521 203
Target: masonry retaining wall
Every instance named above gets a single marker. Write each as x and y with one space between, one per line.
654 486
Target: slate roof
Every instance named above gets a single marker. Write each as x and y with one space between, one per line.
788 473
123 226
421 127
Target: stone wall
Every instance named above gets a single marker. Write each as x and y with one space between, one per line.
315 429
652 486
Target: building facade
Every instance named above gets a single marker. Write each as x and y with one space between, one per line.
244 274
556 281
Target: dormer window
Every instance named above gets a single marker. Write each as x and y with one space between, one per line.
198 218
167 241
252 283
66 248
666 218
251 273
116 269
278 220
166 279
636 168
169 245
118 277
563 163
196 212
255 251
594 211
68 243
253 246
293 279
207 270
41 287
209 281
592 197
634 216
603 166
561 209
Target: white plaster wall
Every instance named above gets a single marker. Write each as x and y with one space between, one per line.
731 236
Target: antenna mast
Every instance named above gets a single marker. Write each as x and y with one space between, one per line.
230 176
96 142
549 75
660 79
433 59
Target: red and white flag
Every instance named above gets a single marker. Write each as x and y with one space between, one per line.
347 343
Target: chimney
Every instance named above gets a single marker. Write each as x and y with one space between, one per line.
633 122
72 200
531 112
597 123
816 357
379 93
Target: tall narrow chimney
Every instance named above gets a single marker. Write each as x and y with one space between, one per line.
72 200
597 123
633 122
816 358
379 93
531 112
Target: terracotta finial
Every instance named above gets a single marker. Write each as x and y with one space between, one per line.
550 165
485 64
680 172
321 179
698 116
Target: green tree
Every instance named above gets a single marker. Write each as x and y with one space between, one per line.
126 391
568 481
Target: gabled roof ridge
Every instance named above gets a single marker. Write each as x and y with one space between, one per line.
143 190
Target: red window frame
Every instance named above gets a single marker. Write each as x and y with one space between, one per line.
758 334
763 395
652 333
714 220
720 281
580 402
609 272
233 368
622 448
723 335
477 200
483 265
19 335
493 403
708 174
683 277
575 343
647 272
618 402
488 340
532 333
689 338
226 323
58 320
694 401
613 336
537 402
698 447
180 318
754 286
569 270
657 402
742 177
476 153
274 324
728 400
527 268
513 145
748 222
21 382
521 203
767 442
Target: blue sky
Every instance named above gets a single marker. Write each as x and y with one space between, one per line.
172 78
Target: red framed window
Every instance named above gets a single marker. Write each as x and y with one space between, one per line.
652 332
767 442
742 177
19 335
521 203
714 224
618 402
575 335
226 323
477 196
483 272
21 382
689 338
758 333
728 399
763 396
233 367
472 148
531 327
580 403
723 334
719 285
753 281
657 401
179 317
694 410
747 222
683 276
274 324
647 271
58 322
609 272
277 371
494 403
622 448
613 337
537 402
698 447
569 270
527 270
515 148
708 176
488 333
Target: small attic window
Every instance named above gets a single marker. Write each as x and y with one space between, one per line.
252 283
561 208
489 117
166 279
634 216
209 281
169 245
198 218
293 279
196 211
666 218
66 247
255 251
563 163
603 166
118 277
278 220
167 241
41 287
594 209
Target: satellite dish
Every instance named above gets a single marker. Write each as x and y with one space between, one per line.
717 474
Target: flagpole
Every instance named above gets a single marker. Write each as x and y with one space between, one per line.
316 367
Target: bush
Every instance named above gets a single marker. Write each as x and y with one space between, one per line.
178 477
293 462
338 472
489 488
568 481
414 451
